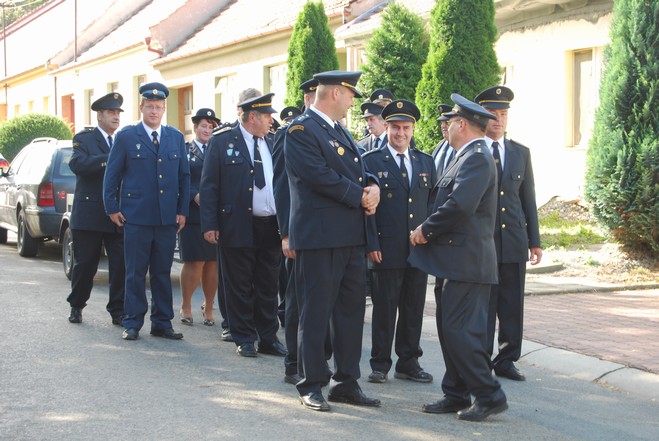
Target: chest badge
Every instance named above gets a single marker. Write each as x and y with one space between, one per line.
340 151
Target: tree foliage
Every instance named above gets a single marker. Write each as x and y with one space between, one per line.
17 10
395 53
20 131
311 49
461 59
622 173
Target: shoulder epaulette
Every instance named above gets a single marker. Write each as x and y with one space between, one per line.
223 129
519 144
295 127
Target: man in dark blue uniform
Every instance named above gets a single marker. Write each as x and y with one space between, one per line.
456 244
516 233
238 214
377 137
443 153
147 190
90 227
331 195
406 177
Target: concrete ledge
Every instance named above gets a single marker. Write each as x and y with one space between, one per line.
571 364
633 380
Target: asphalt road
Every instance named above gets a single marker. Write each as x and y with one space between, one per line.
60 381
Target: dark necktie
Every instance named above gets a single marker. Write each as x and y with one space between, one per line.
203 150
403 169
110 140
376 143
497 160
156 144
259 176
337 127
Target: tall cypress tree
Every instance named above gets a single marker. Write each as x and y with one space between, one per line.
312 49
461 59
622 174
395 53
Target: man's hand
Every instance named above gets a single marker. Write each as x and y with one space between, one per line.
286 249
212 236
375 256
118 219
536 255
417 238
370 199
180 221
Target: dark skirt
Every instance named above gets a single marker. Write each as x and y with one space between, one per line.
194 247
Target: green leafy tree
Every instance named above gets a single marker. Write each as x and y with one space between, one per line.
312 49
12 11
461 59
20 131
622 173
395 53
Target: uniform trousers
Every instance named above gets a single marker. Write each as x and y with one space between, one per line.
87 246
330 285
507 303
149 248
251 284
401 291
462 316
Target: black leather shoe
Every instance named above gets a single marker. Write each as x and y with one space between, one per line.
445 405
510 372
130 334
274 348
246 350
354 396
314 401
76 315
117 320
226 335
478 411
168 333
377 377
420 376
292 378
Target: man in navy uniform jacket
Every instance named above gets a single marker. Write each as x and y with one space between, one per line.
516 233
456 244
398 288
90 227
331 195
146 191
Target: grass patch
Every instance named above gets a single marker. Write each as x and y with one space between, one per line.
560 232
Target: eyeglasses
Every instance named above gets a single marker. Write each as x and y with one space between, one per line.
150 108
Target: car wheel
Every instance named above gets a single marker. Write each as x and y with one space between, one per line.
67 253
27 245
3 235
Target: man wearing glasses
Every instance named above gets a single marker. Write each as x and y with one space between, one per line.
146 191
456 244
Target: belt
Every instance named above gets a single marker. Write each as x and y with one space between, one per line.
265 218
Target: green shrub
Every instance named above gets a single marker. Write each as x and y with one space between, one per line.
311 49
461 59
20 131
622 175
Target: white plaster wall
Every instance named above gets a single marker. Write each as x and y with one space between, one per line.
541 111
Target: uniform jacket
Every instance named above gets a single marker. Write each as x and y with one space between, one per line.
367 143
460 228
227 183
90 156
326 177
517 218
400 210
153 187
280 182
196 161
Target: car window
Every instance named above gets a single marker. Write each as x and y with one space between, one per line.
16 163
63 159
37 162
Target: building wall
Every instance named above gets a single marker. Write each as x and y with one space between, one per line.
539 68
